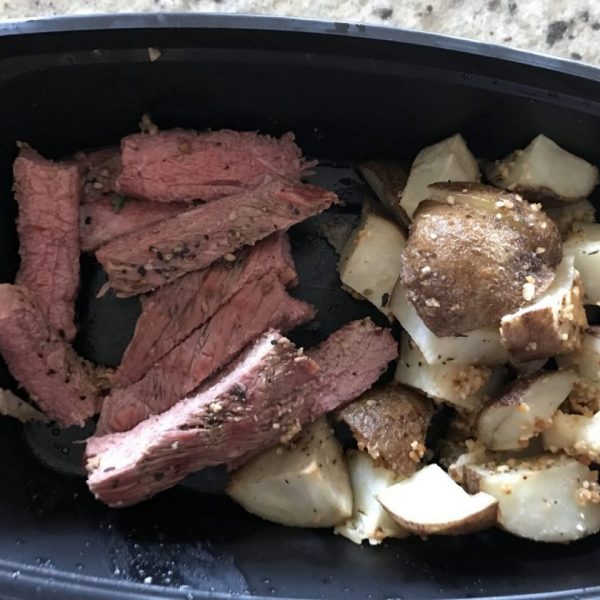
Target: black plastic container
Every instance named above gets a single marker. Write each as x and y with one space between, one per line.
348 92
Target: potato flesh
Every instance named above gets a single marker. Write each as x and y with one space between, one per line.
448 160
431 502
546 168
577 435
371 259
550 498
584 245
524 411
464 386
304 485
369 520
585 397
553 324
478 347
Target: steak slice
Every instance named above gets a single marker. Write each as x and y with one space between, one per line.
48 195
55 377
99 171
171 313
350 361
247 407
256 307
157 254
181 165
111 216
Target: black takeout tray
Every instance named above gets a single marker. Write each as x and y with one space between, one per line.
349 92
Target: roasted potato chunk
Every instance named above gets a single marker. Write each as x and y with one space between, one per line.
464 269
548 498
553 324
477 347
370 262
432 503
523 410
369 520
305 484
576 435
387 178
448 160
545 172
584 245
390 422
464 386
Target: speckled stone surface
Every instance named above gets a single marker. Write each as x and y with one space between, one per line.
566 28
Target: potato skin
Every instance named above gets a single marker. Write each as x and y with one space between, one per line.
464 269
387 421
544 329
392 176
528 219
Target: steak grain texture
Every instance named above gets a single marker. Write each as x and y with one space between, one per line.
350 361
48 196
158 254
109 217
247 407
60 382
171 313
255 308
182 165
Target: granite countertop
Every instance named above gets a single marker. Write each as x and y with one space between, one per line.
567 29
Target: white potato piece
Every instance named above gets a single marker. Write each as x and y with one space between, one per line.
566 215
548 498
304 485
524 410
584 245
448 160
371 259
462 385
587 359
478 347
431 502
553 324
369 520
576 435
545 171
12 406
387 179
585 397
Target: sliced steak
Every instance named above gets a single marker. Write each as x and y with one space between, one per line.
60 382
350 361
111 216
171 313
48 196
249 406
157 254
256 307
99 170
181 165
